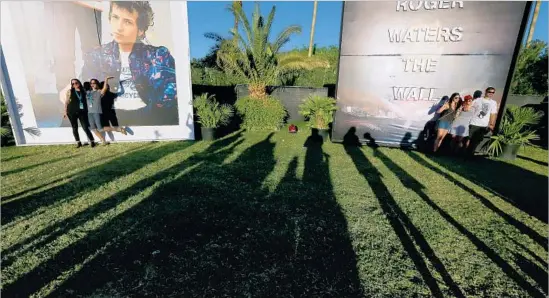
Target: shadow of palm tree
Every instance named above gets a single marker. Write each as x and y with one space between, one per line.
411 183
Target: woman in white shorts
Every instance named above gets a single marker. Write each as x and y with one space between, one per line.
460 126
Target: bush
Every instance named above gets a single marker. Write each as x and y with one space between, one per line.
319 111
515 128
210 113
261 114
5 129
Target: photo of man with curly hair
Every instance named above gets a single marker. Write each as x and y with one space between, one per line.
144 79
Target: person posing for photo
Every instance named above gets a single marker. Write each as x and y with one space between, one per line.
448 112
460 126
485 110
144 75
108 115
76 109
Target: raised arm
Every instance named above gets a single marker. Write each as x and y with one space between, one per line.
105 86
444 107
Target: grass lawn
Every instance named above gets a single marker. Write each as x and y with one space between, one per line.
258 214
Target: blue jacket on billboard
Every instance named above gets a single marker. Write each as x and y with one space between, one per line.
152 69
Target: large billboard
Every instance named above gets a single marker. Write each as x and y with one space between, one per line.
399 59
143 46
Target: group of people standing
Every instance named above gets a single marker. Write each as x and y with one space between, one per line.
93 105
467 119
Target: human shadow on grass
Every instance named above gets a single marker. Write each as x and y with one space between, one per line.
88 180
56 230
112 231
534 235
406 231
414 185
22 169
216 231
522 188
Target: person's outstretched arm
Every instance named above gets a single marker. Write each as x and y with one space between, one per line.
105 86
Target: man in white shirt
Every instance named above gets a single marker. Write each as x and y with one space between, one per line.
485 111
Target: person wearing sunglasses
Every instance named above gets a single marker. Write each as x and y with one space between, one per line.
448 112
485 110
76 109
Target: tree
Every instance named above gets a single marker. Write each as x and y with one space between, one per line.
257 59
311 38
533 23
235 5
530 75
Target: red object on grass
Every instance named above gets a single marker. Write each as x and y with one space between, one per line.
292 128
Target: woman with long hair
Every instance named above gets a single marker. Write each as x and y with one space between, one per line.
448 113
76 109
94 109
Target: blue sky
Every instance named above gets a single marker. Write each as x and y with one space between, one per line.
209 16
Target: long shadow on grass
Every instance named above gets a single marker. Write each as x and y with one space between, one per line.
524 189
87 180
22 169
56 230
15 157
541 240
403 227
6 199
216 231
539 162
135 220
411 183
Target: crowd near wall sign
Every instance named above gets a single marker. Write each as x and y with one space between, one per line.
142 45
399 59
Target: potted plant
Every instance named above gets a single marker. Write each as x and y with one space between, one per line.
211 114
515 131
319 112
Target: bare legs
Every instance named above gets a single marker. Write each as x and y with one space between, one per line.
441 134
100 136
121 130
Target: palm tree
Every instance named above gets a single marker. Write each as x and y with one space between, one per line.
257 59
533 23
311 39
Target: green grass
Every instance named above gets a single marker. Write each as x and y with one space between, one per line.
255 215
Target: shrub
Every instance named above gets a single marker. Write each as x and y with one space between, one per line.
515 128
5 129
261 114
212 114
318 110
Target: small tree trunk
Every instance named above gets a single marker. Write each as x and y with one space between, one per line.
311 39
532 27
257 91
236 4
